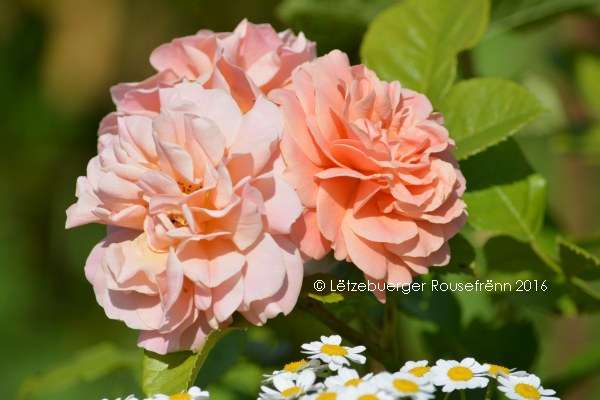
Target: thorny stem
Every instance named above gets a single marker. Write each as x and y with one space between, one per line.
317 310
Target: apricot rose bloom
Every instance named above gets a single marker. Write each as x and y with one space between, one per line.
372 164
251 60
198 216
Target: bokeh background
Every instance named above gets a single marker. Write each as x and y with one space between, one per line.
57 61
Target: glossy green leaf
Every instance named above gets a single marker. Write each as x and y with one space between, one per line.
588 80
505 196
416 42
578 262
583 272
507 14
515 209
175 372
329 298
87 366
482 112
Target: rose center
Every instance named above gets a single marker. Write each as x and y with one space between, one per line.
460 373
527 391
419 371
177 220
188 188
333 350
294 366
292 391
406 386
353 382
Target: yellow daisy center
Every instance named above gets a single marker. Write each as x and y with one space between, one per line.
292 391
527 391
327 396
498 369
353 382
294 366
405 386
180 396
368 397
333 350
460 373
419 371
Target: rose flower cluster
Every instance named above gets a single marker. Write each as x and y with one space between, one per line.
244 156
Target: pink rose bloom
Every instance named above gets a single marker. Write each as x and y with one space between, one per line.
199 218
250 60
372 164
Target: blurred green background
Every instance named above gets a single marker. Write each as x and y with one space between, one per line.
57 61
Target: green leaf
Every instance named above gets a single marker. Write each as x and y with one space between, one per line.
316 17
87 366
328 298
506 254
440 308
588 80
508 14
175 372
506 197
484 111
582 269
462 256
515 209
577 261
416 42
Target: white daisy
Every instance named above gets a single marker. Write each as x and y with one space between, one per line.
330 351
495 370
346 377
364 391
405 385
295 367
193 393
417 368
454 375
326 394
289 385
524 387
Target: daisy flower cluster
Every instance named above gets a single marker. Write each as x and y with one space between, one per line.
326 373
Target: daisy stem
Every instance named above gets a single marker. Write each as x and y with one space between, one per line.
447 396
463 395
489 391
317 310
